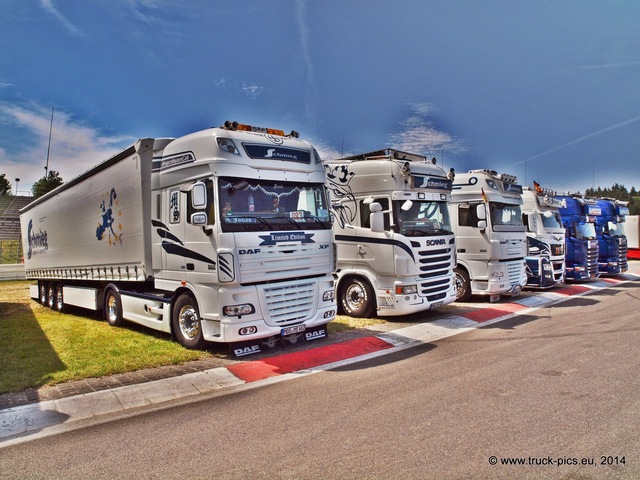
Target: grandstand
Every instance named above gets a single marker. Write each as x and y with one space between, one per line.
10 242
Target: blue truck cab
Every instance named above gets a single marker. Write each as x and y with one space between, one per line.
612 241
578 218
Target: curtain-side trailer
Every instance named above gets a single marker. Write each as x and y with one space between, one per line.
222 235
396 249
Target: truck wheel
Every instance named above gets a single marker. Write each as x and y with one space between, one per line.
357 298
59 301
113 308
186 324
462 285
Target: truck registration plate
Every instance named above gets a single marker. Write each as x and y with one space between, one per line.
437 304
294 329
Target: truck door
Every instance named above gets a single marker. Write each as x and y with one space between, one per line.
173 261
375 249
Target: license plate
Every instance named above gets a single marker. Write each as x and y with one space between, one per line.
437 304
294 329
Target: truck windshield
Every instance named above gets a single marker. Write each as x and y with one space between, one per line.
585 230
422 218
615 229
551 220
506 217
249 205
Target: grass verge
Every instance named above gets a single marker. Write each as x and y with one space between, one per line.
39 346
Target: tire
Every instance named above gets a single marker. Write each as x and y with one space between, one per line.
42 293
51 296
186 324
59 299
357 298
113 308
462 285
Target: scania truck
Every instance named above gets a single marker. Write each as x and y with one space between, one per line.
486 213
545 237
396 249
581 252
612 241
223 235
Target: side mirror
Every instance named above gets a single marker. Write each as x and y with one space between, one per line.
199 218
198 196
481 211
376 218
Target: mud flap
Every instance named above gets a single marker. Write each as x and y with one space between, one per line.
316 333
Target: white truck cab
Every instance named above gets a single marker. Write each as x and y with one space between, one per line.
486 216
391 226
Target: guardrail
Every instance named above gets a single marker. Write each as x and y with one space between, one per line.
12 272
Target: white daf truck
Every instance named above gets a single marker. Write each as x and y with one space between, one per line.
545 237
486 215
223 235
396 249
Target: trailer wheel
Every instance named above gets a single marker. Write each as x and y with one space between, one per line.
59 300
42 290
462 285
186 324
113 308
51 296
357 298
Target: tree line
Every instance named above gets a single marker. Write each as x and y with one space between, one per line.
39 188
618 192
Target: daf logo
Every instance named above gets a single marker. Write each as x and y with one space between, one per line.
239 352
439 241
248 251
315 334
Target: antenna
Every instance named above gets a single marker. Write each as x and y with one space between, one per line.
46 168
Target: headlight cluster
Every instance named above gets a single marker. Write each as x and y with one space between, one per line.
238 310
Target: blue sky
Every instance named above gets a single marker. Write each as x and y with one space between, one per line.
548 90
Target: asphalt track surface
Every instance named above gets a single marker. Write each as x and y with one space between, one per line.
46 418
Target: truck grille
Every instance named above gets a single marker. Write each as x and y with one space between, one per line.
289 304
622 254
435 271
558 270
516 272
592 258
281 261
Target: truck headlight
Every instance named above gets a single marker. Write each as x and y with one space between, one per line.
238 310
328 296
406 289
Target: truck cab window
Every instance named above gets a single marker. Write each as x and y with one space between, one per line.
467 216
264 205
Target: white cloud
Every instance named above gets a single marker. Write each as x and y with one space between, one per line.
251 90
75 147
416 134
51 8
581 139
